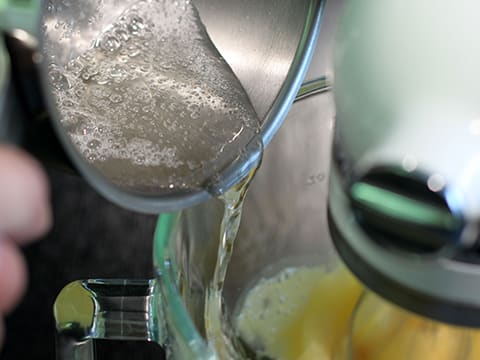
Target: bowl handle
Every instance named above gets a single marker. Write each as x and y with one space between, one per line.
86 310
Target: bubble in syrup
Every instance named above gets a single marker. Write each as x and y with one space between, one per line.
122 34
110 44
94 144
116 98
75 66
134 52
135 25
58 80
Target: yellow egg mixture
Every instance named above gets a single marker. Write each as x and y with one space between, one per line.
305 313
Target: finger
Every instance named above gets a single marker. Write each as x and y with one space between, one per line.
13 275
24 196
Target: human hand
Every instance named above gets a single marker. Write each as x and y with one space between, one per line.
25 215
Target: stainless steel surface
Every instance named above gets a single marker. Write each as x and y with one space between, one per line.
267 45
259 42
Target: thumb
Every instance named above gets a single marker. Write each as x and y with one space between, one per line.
24 196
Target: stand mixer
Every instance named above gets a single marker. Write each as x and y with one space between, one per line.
402 210
404 200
